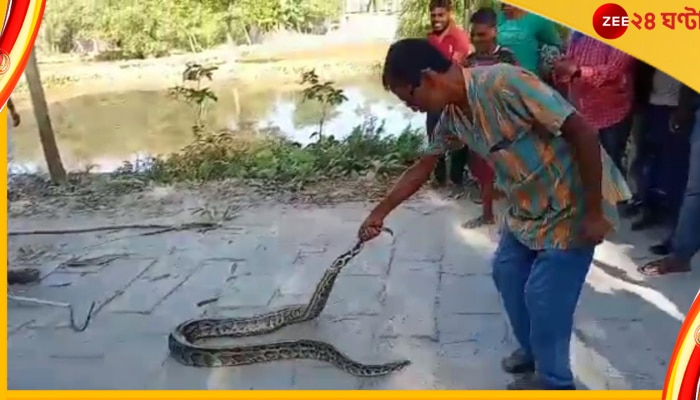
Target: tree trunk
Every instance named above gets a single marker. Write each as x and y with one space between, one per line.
43 121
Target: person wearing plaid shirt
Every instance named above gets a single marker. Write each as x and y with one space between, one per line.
601 86
560 186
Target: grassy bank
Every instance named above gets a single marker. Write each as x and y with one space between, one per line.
257 166
268 157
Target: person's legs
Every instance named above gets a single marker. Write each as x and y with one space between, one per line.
440 172
676 165
639 166
511 268
685 242
458 161
551 294
440 168
486 177
653 194
488 193
614 140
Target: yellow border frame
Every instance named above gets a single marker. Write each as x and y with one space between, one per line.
339 395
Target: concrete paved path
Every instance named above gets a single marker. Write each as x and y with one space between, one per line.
426 295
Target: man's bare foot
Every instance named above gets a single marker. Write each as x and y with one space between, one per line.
478 222
663 266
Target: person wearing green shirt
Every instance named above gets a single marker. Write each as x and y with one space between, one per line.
525 34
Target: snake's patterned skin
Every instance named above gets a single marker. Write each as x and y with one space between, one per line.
184 349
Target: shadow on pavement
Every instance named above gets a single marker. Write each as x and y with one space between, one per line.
627 323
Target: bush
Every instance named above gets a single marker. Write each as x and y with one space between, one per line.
270 157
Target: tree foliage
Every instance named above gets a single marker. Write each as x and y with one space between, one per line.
146 28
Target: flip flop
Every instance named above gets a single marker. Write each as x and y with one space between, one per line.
660 267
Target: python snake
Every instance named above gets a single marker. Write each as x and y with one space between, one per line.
183 346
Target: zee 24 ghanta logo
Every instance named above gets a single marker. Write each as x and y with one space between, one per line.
610 20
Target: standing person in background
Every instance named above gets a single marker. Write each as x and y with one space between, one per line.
600 86
486 52
454 44
639 167
684 242
525 35
661 166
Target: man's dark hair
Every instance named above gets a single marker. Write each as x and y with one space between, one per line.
408 58
446 4
484 16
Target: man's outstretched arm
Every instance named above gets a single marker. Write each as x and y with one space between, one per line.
407 185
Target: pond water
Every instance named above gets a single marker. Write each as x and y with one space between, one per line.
101 131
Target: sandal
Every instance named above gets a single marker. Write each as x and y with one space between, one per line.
663 266
477 222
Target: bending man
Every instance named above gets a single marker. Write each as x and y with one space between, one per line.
561 189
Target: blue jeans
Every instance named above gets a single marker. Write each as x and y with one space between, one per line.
540 290
662 161
686 241
614 140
